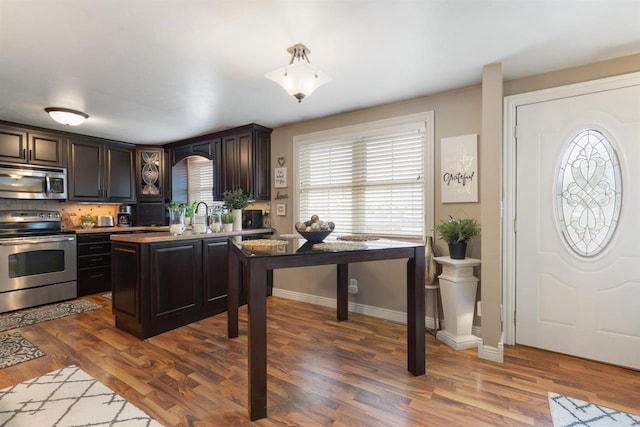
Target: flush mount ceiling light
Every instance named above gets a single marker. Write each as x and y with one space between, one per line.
67 116
299 78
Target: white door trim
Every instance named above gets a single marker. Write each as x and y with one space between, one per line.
511 103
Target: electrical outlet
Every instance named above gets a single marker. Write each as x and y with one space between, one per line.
353 286
479 308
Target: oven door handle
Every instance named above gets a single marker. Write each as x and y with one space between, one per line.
35 240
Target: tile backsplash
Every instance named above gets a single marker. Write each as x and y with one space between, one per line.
69 211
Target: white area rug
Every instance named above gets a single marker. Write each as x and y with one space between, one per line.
567 411
67 397
14 348
20 318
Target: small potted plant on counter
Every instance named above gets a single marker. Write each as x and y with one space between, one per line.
457 232
227 221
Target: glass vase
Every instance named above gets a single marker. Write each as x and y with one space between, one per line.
176 221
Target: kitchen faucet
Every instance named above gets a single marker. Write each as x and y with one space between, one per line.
206 212
206 215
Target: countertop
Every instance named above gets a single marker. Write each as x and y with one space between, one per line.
120 229
164 236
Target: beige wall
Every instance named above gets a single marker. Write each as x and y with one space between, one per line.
457 112
381 284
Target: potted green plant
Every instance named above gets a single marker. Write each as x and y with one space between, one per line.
235 201
227 221
457 232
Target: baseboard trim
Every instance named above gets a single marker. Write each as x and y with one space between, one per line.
368 310
494 354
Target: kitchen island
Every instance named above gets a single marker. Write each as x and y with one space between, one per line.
160 282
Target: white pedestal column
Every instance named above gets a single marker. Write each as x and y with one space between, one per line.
458 290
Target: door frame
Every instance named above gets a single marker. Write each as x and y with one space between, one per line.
509 186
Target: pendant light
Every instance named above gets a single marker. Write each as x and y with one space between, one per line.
299 78
67 116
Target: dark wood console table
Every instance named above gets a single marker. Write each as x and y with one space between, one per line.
256 263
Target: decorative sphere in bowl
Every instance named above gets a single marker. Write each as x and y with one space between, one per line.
87 225
315 230
315 236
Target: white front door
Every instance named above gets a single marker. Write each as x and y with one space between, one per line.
578 226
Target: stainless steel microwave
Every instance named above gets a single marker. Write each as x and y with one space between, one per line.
22 181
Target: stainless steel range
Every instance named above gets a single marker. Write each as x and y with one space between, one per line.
37 259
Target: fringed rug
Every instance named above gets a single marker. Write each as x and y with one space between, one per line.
567 411
107 296
18 319
14 348
67 397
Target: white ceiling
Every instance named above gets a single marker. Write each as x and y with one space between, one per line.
156 71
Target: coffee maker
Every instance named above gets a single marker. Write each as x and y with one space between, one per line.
125 216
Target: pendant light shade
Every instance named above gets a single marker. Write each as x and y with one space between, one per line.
67 116
300 79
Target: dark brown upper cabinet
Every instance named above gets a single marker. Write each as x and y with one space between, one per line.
241 159
24 145
204 148
100 171
245 161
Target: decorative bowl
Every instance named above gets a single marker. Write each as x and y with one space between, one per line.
87 225
315 236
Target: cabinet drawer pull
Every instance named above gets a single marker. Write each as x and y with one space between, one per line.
95 276
96 259
96 247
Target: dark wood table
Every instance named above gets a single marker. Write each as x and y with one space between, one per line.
256 263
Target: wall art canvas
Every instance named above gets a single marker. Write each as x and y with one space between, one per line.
459 169
280 178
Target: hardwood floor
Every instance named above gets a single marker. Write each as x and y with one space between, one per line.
320 372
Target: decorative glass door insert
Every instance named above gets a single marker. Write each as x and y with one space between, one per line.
589 192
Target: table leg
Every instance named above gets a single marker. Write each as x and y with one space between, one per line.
342 296
415 313
233 294
257 300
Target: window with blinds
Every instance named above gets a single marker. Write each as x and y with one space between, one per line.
200 180
370 182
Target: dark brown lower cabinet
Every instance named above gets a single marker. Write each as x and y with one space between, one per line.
94 263
162 286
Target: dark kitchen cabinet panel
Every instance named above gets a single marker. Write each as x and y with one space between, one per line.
198 147
46 149
119 176
100 172
150 173
246 161
23 145
215 274
94 263
173 263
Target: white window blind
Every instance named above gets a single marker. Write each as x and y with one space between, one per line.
373 183
200 180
